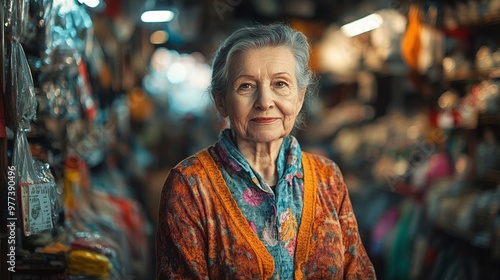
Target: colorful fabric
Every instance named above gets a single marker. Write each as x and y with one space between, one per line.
274 215
204 234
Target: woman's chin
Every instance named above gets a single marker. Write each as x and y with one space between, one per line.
267 137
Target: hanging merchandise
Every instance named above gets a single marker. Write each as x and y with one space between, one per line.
385 40
463 112
68 35
449 115
431 41
16 17
22 88
487 93
421 43
84 229
120 217
88 140
20 94
59 100
84 91
436 145
88 233
410 42
65 44
339 54
21 97
36 185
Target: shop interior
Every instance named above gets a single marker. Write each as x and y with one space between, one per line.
98 104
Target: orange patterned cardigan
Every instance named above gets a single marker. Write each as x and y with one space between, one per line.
202 234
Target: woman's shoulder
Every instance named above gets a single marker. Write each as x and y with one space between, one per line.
323 166
189 172
197 164
186 168
194 160
321 161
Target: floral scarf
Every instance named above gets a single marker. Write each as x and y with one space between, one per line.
273 215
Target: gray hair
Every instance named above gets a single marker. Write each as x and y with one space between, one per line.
259 36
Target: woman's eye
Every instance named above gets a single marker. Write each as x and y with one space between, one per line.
246 86
280 84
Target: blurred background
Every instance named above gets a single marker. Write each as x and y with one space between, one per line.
99 101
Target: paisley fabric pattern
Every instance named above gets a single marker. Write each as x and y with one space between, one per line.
272 214
310 232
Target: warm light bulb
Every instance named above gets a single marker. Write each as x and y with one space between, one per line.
158 37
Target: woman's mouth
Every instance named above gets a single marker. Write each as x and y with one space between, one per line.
264 120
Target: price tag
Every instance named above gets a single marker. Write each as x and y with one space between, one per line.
36 210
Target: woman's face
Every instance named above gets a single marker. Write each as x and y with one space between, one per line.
262 100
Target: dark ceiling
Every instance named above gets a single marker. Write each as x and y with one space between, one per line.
200 22
200 25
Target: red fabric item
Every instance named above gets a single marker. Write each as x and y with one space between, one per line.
134 222
446 119
113 8
461 34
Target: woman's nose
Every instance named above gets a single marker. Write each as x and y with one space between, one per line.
264 99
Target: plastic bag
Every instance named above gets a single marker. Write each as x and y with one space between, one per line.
37 187
34 25
22 88
17 17
59 99
88 141
68 34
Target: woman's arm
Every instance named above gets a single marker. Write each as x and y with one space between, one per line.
180 238
357 263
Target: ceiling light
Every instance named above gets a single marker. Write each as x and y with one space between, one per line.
362 25
90 3
157 16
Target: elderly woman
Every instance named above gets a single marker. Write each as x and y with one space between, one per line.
254 205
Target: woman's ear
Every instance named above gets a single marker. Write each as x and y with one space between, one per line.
302 96
220 105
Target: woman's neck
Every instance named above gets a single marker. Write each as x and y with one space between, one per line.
262 158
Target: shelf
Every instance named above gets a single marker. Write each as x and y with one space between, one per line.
489 118
480 21
472 75
491 18
492 176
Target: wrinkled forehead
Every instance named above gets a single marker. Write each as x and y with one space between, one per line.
273 59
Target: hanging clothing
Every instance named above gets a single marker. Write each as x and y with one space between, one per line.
220 220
